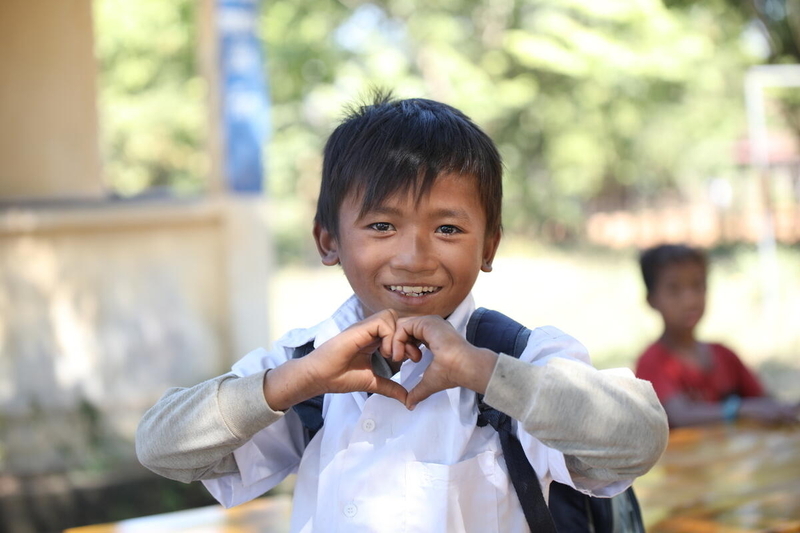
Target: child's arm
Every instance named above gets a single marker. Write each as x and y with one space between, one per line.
683 411
191 434
610 427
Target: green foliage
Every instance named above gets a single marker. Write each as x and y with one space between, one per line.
587 99
152 100
592 102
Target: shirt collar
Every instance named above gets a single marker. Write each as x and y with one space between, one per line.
349 313
460 317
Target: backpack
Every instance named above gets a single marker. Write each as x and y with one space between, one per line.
570 511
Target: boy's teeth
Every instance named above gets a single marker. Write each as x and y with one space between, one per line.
415 290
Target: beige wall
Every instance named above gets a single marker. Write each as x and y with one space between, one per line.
103 308
48 117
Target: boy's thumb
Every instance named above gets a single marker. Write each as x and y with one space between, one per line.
391 389
418 393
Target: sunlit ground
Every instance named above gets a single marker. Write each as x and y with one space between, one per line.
598 297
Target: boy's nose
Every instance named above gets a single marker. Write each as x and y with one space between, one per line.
692 296
414 254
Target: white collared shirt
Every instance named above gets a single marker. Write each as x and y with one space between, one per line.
375 466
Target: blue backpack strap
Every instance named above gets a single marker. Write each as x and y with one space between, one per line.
570 511
309 411
499 333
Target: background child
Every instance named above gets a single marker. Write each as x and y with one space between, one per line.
410 208
697 382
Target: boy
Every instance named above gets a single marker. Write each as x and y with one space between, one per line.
696 382
409 207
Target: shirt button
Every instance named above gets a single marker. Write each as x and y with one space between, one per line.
350 510
368 425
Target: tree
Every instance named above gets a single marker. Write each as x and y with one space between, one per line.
589 101
152 100
593 103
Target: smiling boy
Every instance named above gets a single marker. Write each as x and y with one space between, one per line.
410 208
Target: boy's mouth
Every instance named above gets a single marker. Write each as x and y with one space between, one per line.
414 291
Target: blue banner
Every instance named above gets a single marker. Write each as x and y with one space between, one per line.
245 104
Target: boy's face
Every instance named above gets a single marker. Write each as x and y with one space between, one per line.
418 258
680 295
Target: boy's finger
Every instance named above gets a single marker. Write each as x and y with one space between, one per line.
399 342
419 393
375 332
404 343
413 352
387 344
387 330
391 389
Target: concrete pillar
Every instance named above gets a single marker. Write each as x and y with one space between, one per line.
48 115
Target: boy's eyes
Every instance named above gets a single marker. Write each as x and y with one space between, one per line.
447 229
677 288
381 226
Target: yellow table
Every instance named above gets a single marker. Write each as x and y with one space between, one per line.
718 479
725 479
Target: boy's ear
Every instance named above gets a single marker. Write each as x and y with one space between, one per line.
326 245
489 250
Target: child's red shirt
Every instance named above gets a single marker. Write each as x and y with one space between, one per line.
672 375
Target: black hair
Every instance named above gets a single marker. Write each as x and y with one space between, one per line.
395 146
655 259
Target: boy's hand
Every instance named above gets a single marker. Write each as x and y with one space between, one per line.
342 364
456 363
